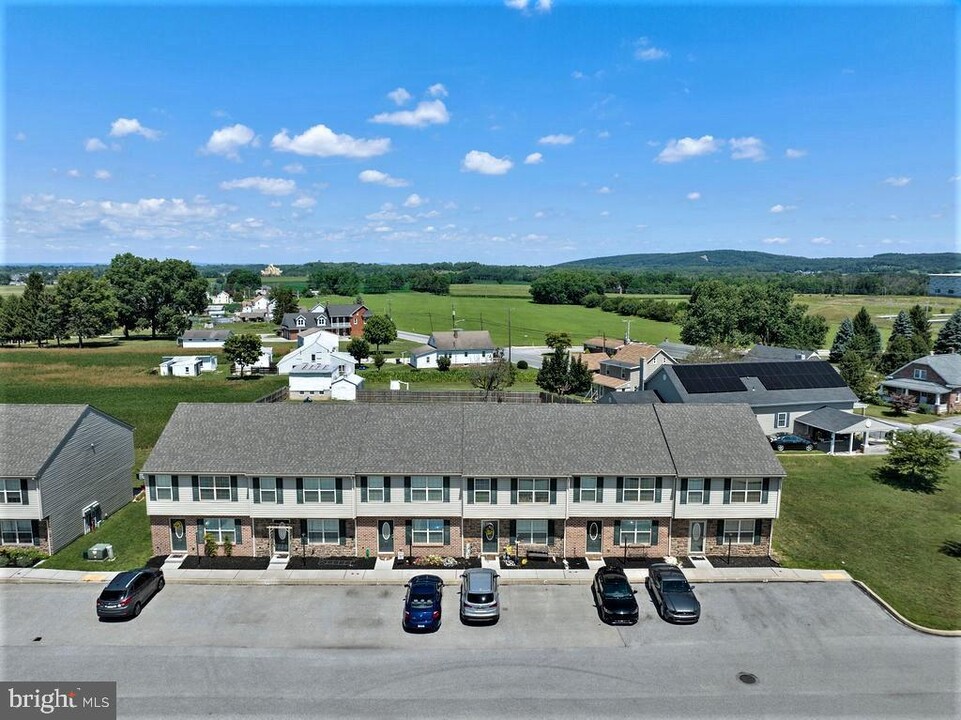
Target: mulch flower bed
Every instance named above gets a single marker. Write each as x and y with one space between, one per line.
156 561
720 561
331 563
460 564
574 563
192 562
632 563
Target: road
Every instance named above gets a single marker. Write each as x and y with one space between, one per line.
818 650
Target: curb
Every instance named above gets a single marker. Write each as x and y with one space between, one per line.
899 617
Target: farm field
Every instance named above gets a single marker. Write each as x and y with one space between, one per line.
9 290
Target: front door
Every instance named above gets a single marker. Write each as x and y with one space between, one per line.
385 536
178 535
281 537
697 537
489 537
594 538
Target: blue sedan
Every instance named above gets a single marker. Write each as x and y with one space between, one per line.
422 606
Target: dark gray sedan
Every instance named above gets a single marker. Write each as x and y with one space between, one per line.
128 592
672 594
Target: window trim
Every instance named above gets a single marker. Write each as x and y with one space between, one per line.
583 492
745 493
536 495
639 493
214 488
740 532
320 493
15 528
920 374
219 532
429 527
433 485
10 487
778 422
321 536
383 488
526 533
165 492
478 490
698 493
271 493
637 532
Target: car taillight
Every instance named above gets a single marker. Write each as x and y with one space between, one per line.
436 614
125 602
406 614
494 604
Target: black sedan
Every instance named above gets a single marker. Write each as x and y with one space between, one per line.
422 605
672 594
791 442
614 596
128 592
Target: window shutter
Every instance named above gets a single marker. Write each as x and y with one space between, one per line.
493 491
447 488
757 531
512 530
233 488
513 491
683 498
255 481
620 489
339 491
707 490
553 491
386 488
151 486
363 487
175 487
727 491
600 488
765 488
654 528
35 530
300 491
550 532
406 488
447 532
195 484
658 487
24 500
408 532
280 491
342 532
720 532
238 532
470 491
576 482
617 532
201 534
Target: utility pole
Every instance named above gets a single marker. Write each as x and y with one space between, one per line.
430 319
510 347
627 337
482 321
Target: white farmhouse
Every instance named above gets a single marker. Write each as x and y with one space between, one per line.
187 365
204 338
463 347
314 379
262 363
312 345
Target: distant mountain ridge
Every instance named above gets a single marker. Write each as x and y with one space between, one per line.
722 261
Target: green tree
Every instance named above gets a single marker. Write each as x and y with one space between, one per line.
285 301
242 280
172 291
565 287
358 348
86 305
716 354
842 339
713 315
379 360
380 330
556 340
558 374
921 327
126 276
949 337
242 350
864 328
443 363
35 311
898 352
6 321
494 376
857 374
917 459
902 325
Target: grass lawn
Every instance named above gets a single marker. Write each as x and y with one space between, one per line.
128 530
506 290
835 515
424 380
835 308
13 290
886 413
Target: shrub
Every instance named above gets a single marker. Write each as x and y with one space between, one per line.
522 365
25 561
210 545
443 363
228 547
21 556
378 358
592 300
4 559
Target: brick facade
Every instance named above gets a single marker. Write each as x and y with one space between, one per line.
160 536
680 541
367 537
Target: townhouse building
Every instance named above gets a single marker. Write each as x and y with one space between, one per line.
454 479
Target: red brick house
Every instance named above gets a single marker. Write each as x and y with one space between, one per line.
935 380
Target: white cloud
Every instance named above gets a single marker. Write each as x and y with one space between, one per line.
782 208
94 145
605 213
265 186
399 96
774 240
303 202
694 196
603 134
228 140
645 52
794 153
485 163
604 190
381 178
820 241
954 178
578 75
294 169
102 175
897 181
429 112
747 148
544 6
534 159
20 136
688 147
131 126
540 214
556 140
414 200
516 4
74 173
437 90
321 141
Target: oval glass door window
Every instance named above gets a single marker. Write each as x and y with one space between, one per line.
178 530
696 531
489 531
385 530
593 531
281 533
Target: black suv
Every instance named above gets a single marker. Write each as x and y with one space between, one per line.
614 596
128 592
673 595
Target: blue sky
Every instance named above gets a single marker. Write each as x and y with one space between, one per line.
529 133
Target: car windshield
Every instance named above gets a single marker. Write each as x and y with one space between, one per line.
421 601
480 598
111 595
677 586
617 589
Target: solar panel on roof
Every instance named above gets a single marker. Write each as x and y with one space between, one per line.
785 375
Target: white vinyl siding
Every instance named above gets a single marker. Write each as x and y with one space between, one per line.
717 508
610 508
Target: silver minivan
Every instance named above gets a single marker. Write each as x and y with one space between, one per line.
478 595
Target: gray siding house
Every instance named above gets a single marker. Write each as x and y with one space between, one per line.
63 469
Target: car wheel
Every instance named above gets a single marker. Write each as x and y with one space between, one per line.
809 447
160 585
780 447
136 609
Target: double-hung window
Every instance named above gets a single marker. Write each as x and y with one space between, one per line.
323 532
376 488
320 490
635 532
16 532
221 529
214 487
746 491
268 489
588 489
428 531
165 487
533 490
532 532
10 491
482 490
920 374
695 490
740 532
639 489
425 488
781 420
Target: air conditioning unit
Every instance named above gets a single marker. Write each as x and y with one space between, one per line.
100 551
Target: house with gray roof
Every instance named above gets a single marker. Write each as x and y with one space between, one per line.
343 320
192 339
458 479
777 391
63 469
462 347
677 351
933 380
773 352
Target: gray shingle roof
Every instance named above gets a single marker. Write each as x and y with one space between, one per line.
289 320
637 397
947 366
463 340
838 421
678 351
206 335
345 310
773 352
30 433
457 439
